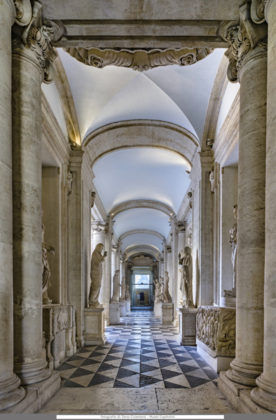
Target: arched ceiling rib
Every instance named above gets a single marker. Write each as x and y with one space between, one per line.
132 204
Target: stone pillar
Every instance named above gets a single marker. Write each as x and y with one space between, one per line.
32 53
10 394
76 285
206 230
247 56
265 394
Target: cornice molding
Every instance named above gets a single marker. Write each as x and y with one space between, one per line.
139 60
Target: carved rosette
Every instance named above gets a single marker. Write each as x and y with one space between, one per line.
247 38
33 37
216 328
139 60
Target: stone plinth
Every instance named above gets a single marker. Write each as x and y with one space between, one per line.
60 333
228 302
94 326
158 309
128 306
167 313
114 313
123 308
188 326
215 333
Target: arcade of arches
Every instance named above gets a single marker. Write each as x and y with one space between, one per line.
148 127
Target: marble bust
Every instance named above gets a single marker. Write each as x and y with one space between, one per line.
96 275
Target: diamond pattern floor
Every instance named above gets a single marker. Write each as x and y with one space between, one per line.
139 353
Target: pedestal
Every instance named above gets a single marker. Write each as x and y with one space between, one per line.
228 302
167 313
114 313
94 326
215 335
123 308
158 309
188 326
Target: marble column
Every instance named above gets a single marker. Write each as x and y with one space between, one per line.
10 394
27 75
76 284
206 230
251 70
265 394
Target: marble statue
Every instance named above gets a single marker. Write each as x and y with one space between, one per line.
96 275
233 241
127 291
46 271
158 292
186 285
116 287
123 290
166 294
212 180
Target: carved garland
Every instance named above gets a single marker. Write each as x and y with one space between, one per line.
139 60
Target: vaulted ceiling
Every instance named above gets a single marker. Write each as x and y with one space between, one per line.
178 95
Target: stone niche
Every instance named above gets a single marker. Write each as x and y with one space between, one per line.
215 335
59 330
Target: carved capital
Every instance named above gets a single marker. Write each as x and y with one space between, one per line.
139 60
34 37
247 40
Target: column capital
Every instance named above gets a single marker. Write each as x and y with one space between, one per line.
33 38
247 40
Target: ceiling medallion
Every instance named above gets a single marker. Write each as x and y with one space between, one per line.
139 60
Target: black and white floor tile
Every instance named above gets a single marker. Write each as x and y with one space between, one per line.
139 353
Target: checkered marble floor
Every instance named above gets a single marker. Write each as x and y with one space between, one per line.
139 353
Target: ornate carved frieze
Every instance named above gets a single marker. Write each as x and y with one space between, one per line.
216 328
139 60
246 39
36 36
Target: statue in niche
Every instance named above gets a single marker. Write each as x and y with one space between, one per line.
186 285
233 241
123 290
158 292
212 180
127 291
46 271
116 287
166 294
96 275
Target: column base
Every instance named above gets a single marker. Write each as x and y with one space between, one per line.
94 326
114 313
265 394
10 392
36 395
31 373
244 373
123 308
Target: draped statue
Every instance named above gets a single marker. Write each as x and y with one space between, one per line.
186 285
46 271
158 292
96 275
116 287
166 294
233 242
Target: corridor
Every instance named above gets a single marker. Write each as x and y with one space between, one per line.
138 353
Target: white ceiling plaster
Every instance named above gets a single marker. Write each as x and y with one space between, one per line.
190 86
141 219
141 239
52 96
176 94
141 173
